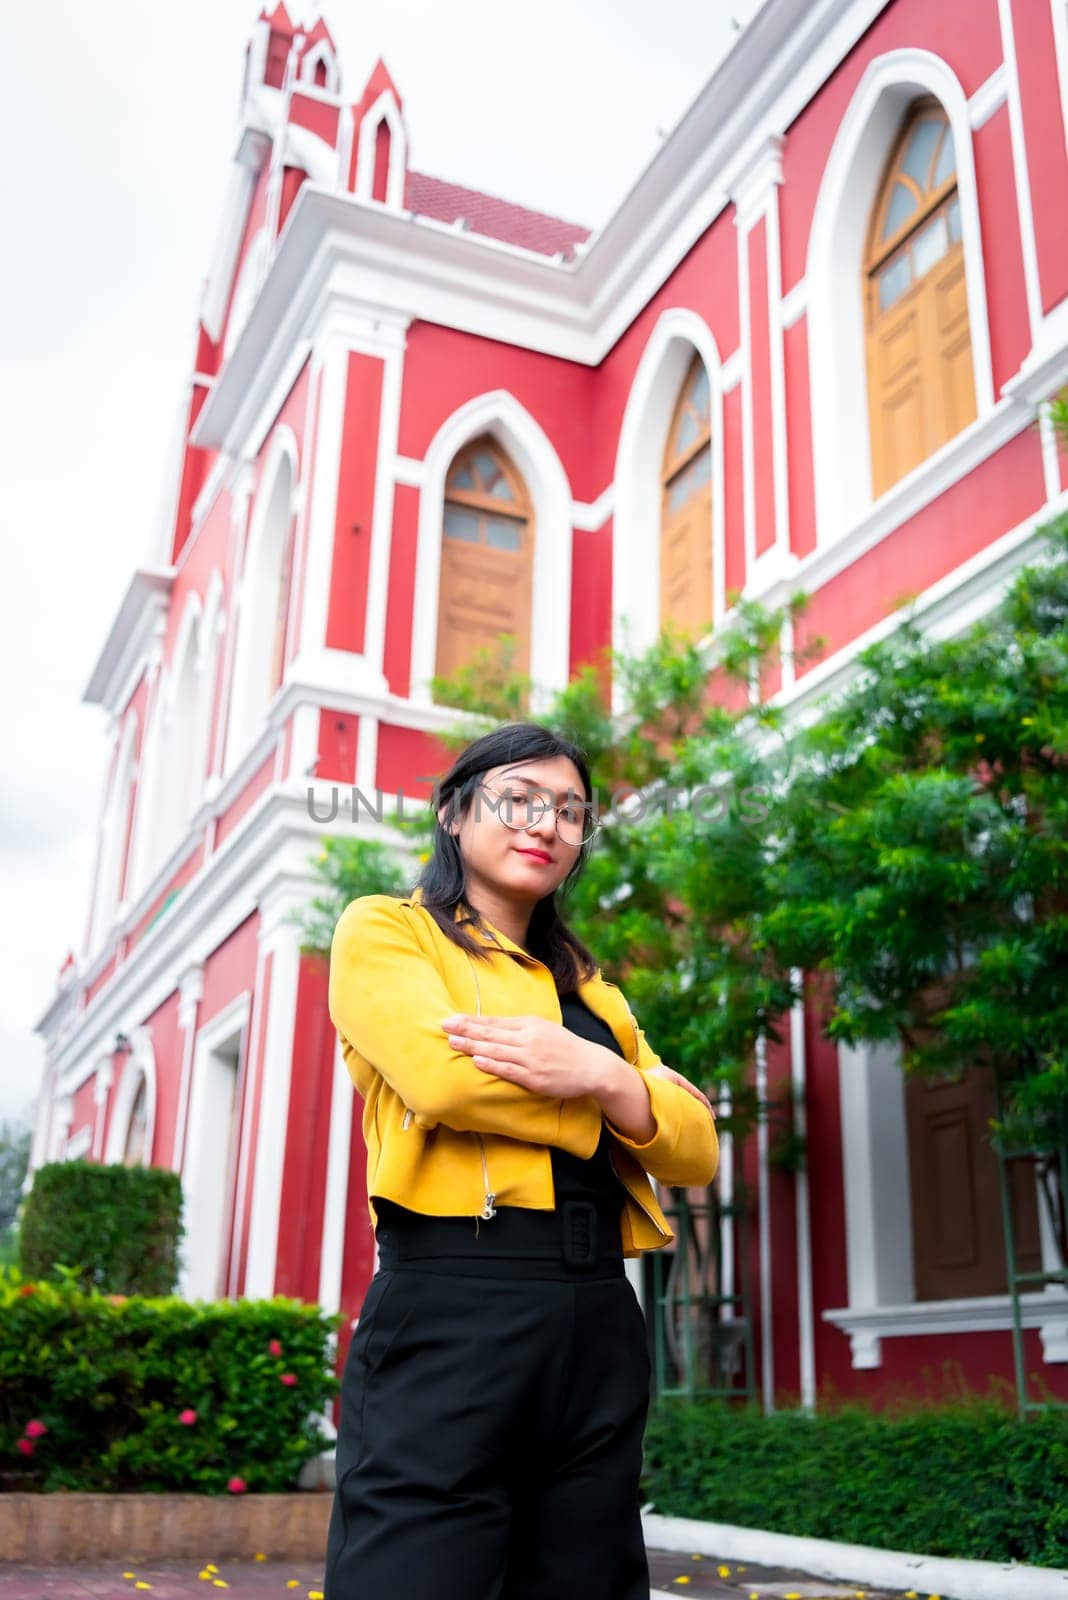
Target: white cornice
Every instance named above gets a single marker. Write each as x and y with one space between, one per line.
129 637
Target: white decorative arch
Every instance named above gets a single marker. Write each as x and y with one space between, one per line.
114 832
834 275
651 403
261 571
321 52
246 288
140 1064
500 415
384 109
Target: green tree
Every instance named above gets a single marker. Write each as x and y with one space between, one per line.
16 1136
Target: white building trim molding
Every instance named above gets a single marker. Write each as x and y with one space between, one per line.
841 443
500 415
246 288
654 391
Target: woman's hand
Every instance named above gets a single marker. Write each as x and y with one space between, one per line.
684 1083
548 1058
543 1056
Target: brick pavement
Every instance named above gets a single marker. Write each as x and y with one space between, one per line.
699 1577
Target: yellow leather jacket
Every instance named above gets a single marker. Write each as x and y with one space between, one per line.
445 1138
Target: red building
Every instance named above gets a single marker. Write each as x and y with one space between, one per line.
808 350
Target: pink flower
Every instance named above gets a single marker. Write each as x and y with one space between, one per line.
275 1347
26 1446
237 1486
187 1417
288 1378
34 1429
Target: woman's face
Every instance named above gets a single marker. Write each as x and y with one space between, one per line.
512 860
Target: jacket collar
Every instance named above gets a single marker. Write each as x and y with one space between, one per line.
496 936
604 999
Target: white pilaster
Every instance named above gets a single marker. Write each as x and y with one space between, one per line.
279 939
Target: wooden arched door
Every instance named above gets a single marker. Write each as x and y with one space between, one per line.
686 508
487 559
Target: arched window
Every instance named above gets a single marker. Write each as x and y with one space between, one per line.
686 508
135 1152
921 386
487 558
264 607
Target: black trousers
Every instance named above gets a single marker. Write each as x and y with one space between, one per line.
490 1436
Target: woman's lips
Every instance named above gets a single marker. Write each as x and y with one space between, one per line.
538 855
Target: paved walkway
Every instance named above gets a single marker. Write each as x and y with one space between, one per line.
699 1577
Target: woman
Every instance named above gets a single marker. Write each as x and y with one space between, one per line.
496 1389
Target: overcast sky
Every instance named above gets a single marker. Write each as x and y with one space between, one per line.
120 134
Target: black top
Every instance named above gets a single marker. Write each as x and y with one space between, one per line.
593 1178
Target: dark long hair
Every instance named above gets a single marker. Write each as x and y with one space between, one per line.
443 879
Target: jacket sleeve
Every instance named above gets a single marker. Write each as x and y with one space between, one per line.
387 1000
683 1149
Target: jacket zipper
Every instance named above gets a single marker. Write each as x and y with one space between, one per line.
664 1232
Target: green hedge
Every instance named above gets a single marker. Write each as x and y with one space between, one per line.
102 1392
118 1226
967 1480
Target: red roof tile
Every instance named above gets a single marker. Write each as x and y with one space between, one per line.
494 218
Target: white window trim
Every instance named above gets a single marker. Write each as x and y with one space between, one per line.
678 335
231 1022
320 52
841 442
282 450
116 835
882 1295
385 109
141 1063
522 438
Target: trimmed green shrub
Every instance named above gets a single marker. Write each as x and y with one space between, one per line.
966 1480
104 1392
118 1227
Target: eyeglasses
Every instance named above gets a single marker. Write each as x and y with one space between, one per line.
522 807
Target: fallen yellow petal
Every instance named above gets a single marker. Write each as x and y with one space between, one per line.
724 1572
315 1594
209 1568
259 1556
205 1574
293 1583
